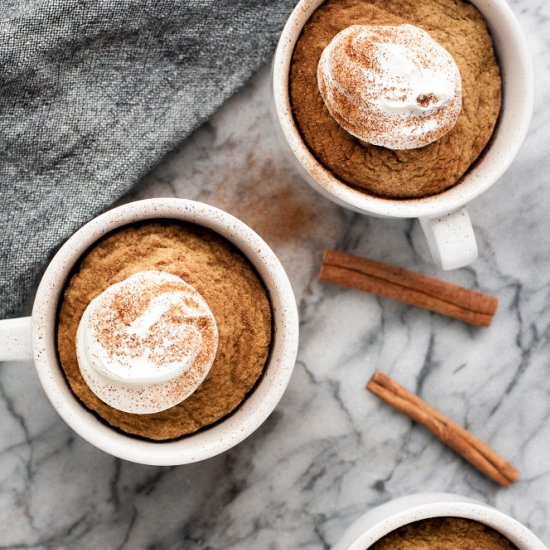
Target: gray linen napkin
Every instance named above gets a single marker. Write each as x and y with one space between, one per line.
93 94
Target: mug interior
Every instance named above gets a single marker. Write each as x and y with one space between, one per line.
517 106
227 432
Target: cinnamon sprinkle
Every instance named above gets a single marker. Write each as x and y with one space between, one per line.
352 81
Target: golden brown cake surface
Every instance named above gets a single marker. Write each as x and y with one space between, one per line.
457 26
444 534
225 279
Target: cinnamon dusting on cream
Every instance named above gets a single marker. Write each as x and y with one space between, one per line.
391 86
145 344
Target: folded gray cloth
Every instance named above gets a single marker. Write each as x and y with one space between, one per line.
93 94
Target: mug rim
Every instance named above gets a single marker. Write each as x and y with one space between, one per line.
475 181
231 429
420 506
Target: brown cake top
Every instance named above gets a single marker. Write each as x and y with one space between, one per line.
458 27
446 533
224 278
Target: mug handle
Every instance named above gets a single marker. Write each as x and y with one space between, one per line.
451 239
15 339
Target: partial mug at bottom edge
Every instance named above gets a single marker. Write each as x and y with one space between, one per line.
457 515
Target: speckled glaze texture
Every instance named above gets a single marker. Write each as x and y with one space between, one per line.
235 427
330 451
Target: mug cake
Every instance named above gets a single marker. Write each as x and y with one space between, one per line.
396 99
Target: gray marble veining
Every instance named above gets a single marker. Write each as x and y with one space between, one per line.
330 451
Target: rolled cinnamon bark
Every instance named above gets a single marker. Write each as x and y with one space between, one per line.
408 286
469 447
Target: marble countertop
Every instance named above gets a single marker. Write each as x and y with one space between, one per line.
330 451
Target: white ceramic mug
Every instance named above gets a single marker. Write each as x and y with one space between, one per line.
34 337
388 517
443 217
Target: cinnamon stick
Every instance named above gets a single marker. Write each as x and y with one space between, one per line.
469 447
407 286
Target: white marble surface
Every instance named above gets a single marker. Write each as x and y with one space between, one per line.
330 451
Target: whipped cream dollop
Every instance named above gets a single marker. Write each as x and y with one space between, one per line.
145 344
392 86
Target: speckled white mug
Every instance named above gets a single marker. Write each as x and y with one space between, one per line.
34 337
443 217
388 517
